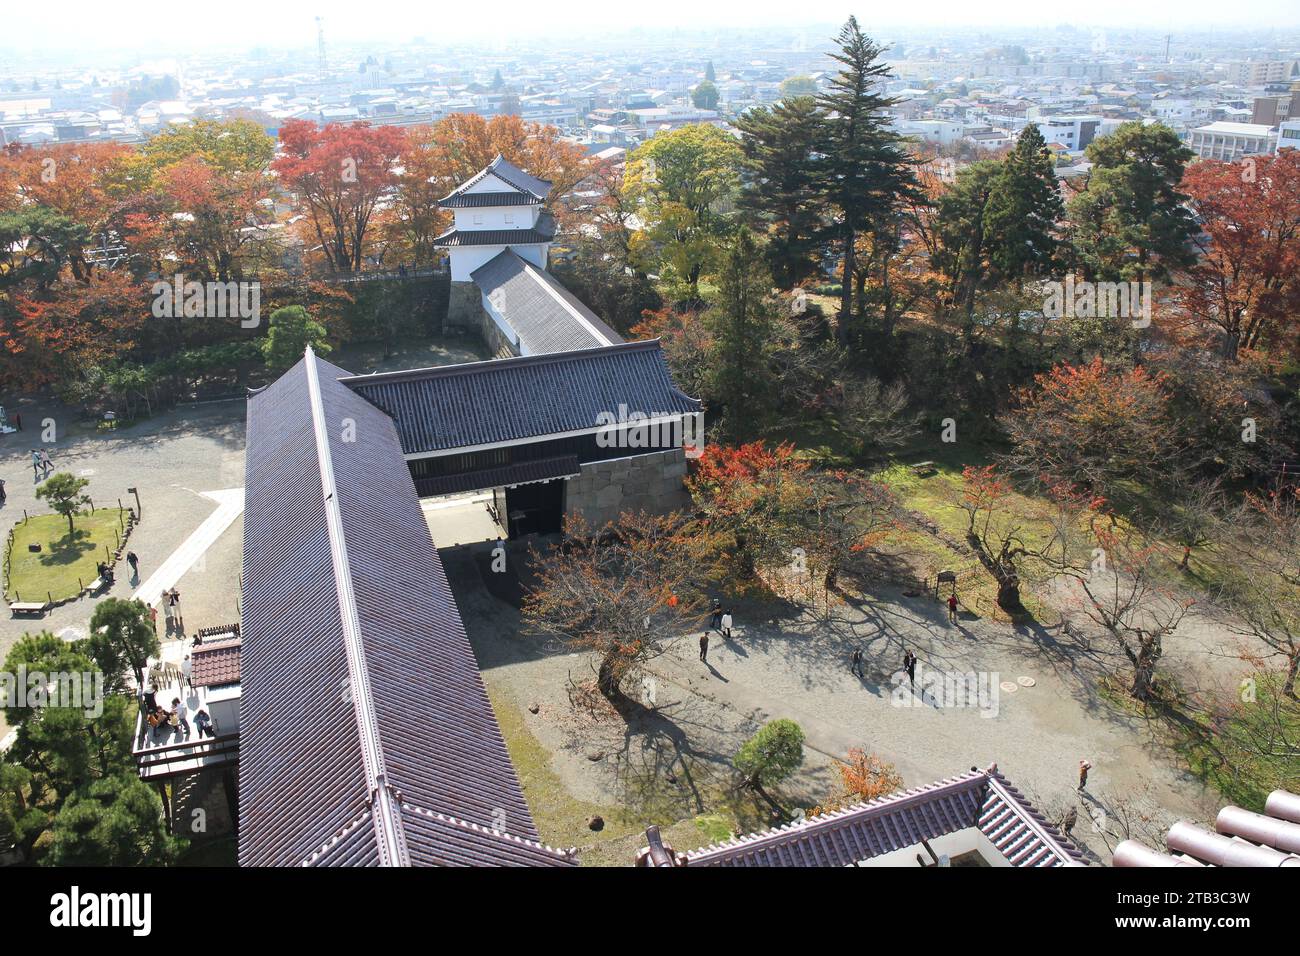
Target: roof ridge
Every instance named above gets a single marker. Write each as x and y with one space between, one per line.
465 368
494 169
389 834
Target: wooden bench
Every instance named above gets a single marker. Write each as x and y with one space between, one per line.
924 469
95 586
29 607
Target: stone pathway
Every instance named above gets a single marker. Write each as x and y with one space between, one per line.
230 505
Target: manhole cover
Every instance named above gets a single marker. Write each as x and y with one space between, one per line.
1026 681
1009 687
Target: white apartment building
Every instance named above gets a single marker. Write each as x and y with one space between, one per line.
1231 141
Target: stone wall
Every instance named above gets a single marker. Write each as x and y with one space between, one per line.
465 312
465 307
650 483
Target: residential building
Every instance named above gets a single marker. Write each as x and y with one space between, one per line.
1231 141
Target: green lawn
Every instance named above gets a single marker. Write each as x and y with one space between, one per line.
64 558
1244 747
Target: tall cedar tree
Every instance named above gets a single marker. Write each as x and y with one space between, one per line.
1132 223
744 327
781 148
1023 210
867 173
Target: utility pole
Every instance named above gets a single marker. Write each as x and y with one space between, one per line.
1168 37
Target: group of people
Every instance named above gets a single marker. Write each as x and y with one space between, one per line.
162 721
41 464
720 621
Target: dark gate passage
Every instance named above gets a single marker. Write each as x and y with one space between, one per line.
535 509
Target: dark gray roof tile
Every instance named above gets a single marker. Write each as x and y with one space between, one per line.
484 403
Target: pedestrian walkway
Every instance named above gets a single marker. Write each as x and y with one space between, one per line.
230 505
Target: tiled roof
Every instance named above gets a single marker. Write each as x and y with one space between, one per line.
216 663
520 473
544 231
1242 838
545 316
508 173
480 200
484 403
982 799
361 695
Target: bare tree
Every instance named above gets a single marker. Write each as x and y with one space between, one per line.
1264 593
624 592
1123 597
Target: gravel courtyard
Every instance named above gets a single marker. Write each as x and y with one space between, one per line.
783 662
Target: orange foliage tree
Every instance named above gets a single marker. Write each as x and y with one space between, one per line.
1245 285
1091 425
340 174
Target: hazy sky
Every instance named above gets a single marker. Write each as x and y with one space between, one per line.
136 24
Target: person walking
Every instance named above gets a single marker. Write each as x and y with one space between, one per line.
952 608
726 624
187 673
36 465
134 561
18 420
704 647
167 613
909 665
178 716
715 619
856 661
46 463
1084 767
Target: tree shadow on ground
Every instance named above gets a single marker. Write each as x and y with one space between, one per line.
68 549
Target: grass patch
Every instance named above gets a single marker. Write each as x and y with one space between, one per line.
1247 748
560 818
66 561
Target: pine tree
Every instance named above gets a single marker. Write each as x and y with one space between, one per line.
1023 210
866 172
709 73
781 144
1132 222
